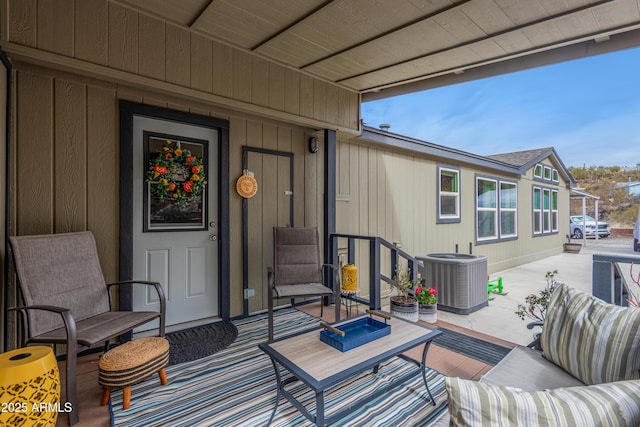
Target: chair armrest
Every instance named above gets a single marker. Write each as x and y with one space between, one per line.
156 285
535 344
161 297
52 308
65 313
534 324
336 278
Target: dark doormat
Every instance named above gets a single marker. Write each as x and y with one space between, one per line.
200 341
486 352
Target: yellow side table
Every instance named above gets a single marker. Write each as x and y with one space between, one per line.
29 387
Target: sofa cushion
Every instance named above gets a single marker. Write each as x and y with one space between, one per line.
528 370
473 403
594 341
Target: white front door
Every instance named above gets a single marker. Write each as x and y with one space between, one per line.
176 244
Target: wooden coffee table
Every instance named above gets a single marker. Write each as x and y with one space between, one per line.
320 366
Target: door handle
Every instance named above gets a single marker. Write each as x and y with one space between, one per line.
213 237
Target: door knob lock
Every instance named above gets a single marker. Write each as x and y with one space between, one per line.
213 237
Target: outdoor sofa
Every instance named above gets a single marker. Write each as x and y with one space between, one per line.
587 373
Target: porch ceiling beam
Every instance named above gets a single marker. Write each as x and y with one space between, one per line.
291 25
388 32
196 19
488 37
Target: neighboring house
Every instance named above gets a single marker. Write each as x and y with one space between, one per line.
512 207
632 188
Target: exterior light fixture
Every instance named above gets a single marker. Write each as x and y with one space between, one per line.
313 145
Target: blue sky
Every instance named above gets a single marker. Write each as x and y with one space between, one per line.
588 110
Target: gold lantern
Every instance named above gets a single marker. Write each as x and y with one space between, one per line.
29 387
349 278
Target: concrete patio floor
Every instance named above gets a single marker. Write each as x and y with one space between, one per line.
499 318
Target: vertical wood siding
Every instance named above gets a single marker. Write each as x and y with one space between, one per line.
393 194
109 34
65 163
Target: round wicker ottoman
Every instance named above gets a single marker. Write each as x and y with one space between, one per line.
131 363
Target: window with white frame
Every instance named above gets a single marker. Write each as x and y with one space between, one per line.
487 208
545 210
497 209
554 210
508 209
537 210
448 194
546 173
537 171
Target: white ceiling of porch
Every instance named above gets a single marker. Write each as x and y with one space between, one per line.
383 48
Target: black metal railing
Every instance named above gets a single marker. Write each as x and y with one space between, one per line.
608 280
375 248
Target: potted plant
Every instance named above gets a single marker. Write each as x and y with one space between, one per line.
427 304
404 305
535 307
572 247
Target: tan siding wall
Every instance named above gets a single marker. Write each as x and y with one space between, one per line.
66 148
99 33
393 194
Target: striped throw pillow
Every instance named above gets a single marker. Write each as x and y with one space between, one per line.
473 403
594 341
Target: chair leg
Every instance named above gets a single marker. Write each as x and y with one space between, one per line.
270 313
106 393
126 397
72 391
163 376
338 306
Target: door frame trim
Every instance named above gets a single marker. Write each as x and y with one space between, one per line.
128 110
245 213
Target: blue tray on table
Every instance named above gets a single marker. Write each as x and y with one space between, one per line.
356 333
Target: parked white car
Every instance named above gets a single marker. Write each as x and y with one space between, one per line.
586 226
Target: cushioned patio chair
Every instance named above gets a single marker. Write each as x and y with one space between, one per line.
297 270
67 300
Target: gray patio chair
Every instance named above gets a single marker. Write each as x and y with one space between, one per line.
67 300
297 270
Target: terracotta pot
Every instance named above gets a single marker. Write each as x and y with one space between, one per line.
428 312
405 309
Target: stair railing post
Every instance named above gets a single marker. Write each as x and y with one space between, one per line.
374 274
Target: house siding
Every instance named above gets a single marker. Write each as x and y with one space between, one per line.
388 192
66 165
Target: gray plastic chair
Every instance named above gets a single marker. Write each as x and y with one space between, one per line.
67 300
297 270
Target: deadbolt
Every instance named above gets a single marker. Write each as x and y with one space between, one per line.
212 224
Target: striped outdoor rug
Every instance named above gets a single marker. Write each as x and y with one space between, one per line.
236 387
